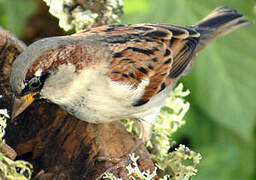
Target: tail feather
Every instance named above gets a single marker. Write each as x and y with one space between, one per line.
218 23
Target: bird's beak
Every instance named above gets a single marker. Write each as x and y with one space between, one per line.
21 103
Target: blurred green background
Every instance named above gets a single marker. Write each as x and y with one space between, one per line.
221 123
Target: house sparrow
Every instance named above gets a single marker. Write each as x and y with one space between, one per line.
109 73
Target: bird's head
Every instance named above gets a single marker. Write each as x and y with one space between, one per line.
29 72
45 68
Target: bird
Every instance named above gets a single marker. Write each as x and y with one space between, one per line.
113 72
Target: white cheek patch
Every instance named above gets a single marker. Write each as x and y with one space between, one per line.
58 84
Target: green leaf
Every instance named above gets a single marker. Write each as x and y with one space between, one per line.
14 14
219 147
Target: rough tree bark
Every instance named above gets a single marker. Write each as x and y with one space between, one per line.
58 145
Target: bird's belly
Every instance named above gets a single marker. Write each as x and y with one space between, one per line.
113 104
109 111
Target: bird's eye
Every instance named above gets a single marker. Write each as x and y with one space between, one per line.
34 83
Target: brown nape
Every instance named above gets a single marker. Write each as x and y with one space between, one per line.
74 53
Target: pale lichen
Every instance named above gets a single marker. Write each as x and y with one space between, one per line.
9 169
133 171
176 160
73 14
169 120
3 123
110 176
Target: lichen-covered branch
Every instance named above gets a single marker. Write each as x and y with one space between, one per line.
174 161
80 15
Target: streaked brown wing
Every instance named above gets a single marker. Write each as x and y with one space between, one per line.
158 52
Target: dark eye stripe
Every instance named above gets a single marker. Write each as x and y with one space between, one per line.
34 84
